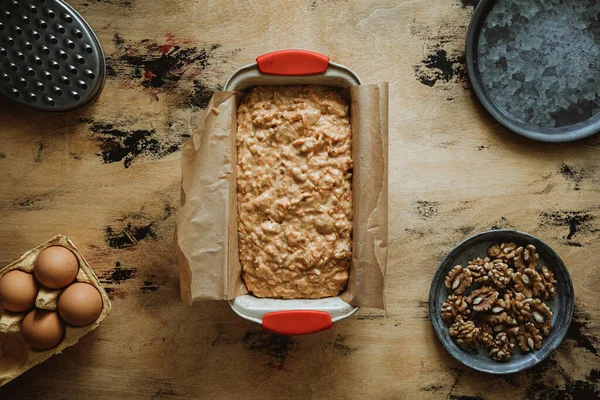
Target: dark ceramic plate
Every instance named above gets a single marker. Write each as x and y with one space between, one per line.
534 66
561 305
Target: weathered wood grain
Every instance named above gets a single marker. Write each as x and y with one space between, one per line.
108 177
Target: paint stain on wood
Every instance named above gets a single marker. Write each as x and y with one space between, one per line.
423 309
439 66
125 141
578 222
574 174
202 93
223 335
276 348
339 347
123 5
128 236
148 286
433 388
118 275
560 386
547 189
171 66
39 155
29 202
465 230
580 332
426 209
501 223
369 317
315 3
130 229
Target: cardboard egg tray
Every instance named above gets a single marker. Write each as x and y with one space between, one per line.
16 356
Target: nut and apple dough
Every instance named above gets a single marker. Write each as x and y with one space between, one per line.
294 192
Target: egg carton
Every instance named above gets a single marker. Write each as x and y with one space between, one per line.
16 356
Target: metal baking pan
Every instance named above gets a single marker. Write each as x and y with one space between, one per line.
292 67
571 124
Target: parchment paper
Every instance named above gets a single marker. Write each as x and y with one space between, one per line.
206 232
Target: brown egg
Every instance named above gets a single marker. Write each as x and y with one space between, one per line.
56 267
80 304
42 329
18 291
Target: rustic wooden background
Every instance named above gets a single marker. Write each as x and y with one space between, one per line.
108 177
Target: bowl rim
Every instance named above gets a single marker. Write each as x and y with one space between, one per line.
439 325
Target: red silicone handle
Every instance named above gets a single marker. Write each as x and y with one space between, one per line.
297 322
292 62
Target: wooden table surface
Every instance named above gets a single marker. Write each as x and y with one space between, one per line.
108 177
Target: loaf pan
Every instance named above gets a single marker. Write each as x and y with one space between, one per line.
292 67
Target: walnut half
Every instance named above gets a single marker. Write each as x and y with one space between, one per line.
529 337
541 315
459 279
549 283
502 347
464 333
483 298
500 274
528 282
526 258
503 250
454 306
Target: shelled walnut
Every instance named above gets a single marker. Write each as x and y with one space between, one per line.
528 282
500 274
529 337
477 268
454 306
496 301
502 318
459 279
464 332
485 337
503 250
502 347
541 315
519 308
483 298
526 257
549 283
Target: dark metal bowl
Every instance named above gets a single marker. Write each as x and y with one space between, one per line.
559 134
561 305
